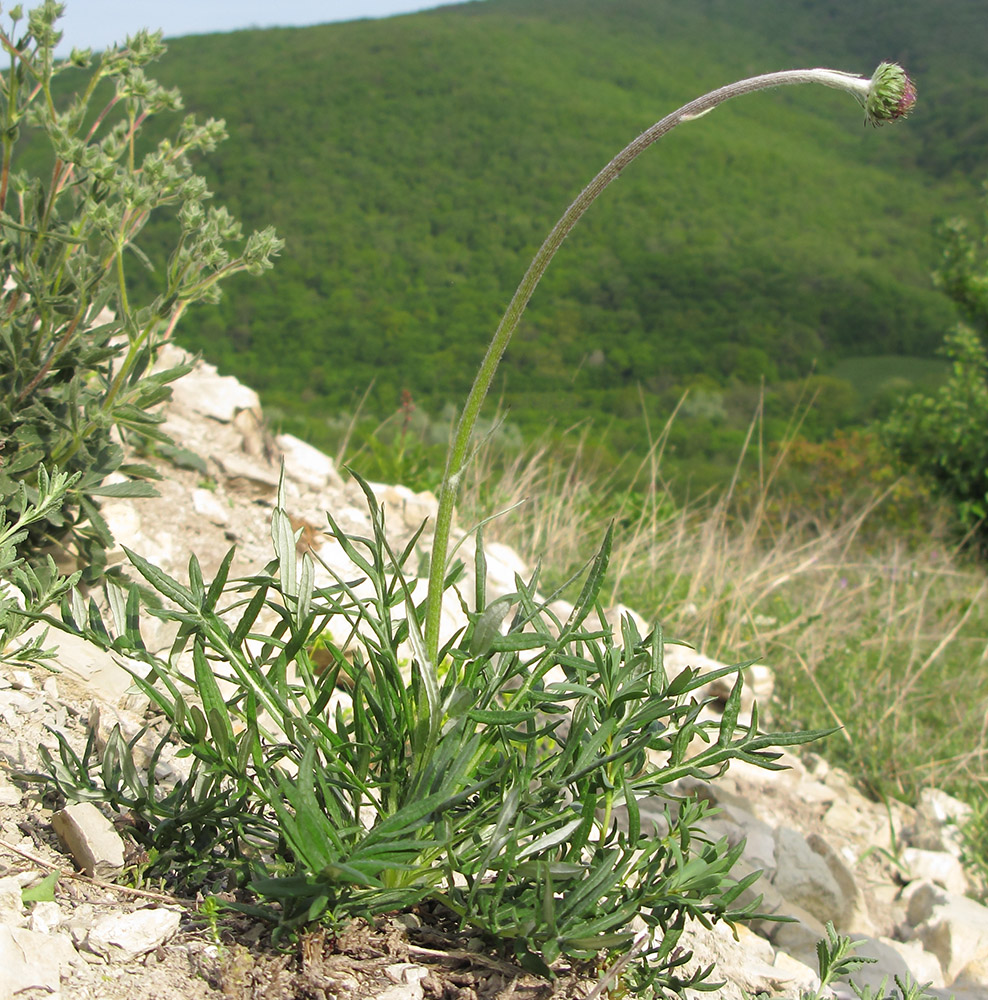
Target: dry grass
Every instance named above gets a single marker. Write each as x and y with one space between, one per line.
886 638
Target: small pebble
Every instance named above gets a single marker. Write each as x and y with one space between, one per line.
9 795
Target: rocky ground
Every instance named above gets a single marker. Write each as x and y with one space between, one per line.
890 878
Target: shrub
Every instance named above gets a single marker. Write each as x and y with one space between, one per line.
830 481
943 436
76 353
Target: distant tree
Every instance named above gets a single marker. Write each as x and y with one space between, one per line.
945 436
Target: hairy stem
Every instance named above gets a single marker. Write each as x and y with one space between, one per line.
459 450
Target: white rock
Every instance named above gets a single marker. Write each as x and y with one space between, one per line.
207 393
32 961
738 824
842 816
8 592
308 466
253 436
941 807
798 937
144 742
404 506
90 838
924 966
973 976
796 977
745 963
248 476
940 867
122 937
502 565
952 927
11 905
405 972
204 502
804 878
816 792
889 962
78 922
854 917
98 671
46 916
123 520
936 826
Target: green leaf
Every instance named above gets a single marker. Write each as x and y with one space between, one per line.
162 582
548 840
487 626
43 892
503 717
132 489
591 587
729 718
213 704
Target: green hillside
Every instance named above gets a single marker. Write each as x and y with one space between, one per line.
414 165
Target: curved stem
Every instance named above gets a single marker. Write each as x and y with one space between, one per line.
459 450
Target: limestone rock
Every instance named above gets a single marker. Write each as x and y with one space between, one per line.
952 927
799 936
745 964
144 741
937 821
940 867
974 976
736 825
793 976
758 679
10 795
889 962
248 476
46 916
206 392
854 916
11 906
405 507
804 878
90 838
307 465
204 503
32 961
99 672
407 978
923 965
122 937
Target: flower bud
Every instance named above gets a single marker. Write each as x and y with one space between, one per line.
891 95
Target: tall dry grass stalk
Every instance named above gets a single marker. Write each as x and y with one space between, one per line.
886 639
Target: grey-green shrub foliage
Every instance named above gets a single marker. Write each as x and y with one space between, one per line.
76 353
25 588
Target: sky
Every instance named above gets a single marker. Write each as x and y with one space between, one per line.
97 24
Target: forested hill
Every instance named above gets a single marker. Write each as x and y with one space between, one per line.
414 165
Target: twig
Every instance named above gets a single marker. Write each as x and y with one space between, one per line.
613 972
98 883
460 955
